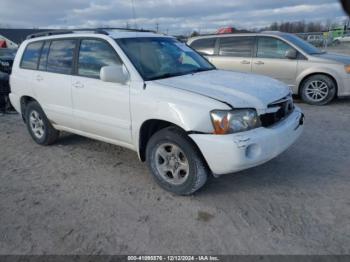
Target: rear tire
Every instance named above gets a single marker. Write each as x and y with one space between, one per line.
39 127
175 162
318 90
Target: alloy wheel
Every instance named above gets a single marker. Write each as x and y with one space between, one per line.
37 124
317 90
172 163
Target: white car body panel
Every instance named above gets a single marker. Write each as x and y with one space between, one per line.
115 113
235 152
110 119
55 92
240 90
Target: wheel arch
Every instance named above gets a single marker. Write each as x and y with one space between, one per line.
24 101
150 127
147 129
305 77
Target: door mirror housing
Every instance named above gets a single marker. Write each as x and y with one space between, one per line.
114 74
291 54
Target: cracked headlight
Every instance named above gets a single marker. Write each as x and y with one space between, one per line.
234 121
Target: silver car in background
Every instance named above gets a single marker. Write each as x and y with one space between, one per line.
318 77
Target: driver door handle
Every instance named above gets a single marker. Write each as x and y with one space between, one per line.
39 78
259 63
245 62
78 85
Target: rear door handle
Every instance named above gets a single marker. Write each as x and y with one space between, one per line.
259 63
245 62
39 78
78 85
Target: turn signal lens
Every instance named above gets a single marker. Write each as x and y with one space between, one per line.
347 69
220 122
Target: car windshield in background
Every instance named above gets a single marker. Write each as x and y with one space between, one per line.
160 57
305 46
7 53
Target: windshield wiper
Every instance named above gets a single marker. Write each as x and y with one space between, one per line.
318 53
166 75
201 70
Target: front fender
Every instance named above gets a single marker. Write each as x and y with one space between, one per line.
317 70
187 110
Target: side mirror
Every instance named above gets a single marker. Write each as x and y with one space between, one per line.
291 54
114 74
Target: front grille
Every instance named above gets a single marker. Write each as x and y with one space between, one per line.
277 111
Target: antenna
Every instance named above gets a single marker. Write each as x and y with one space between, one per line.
133 12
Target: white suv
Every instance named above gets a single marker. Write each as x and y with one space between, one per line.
156 96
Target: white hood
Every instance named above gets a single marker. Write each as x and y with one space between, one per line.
237 89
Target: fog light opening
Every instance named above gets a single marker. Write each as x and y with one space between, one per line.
253 151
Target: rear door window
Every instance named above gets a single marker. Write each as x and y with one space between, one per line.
31 56
94 54
60 57
237 46
43 56
205 45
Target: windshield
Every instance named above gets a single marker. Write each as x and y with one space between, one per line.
8 54
303 45
161 57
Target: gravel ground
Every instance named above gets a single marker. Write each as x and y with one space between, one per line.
81 196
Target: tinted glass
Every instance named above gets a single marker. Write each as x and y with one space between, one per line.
236 46
43 56
31 55
162 57
60 58
305 46
205 45
270 47
93 55
7 53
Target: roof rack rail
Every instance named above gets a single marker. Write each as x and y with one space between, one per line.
65 31
47 33
126 29
94 30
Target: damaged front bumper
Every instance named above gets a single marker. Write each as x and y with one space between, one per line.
234 152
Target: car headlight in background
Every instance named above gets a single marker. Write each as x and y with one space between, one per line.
234 121
347 68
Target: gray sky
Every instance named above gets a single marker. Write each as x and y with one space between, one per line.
178 16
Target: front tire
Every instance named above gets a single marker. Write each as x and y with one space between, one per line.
175 162
39 127
318 90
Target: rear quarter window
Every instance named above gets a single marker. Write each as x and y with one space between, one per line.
31 56
205 46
